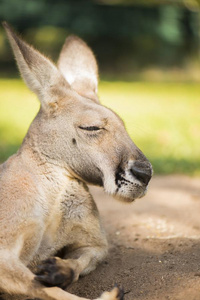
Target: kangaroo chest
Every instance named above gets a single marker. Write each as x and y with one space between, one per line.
63 225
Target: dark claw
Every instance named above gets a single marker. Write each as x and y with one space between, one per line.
120 294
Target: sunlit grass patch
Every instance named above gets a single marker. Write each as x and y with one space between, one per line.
18 107
163 119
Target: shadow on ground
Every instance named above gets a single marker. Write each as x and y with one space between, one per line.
154 243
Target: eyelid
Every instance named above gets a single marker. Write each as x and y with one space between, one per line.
90 128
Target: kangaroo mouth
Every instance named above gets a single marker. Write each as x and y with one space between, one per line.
128 188
130 193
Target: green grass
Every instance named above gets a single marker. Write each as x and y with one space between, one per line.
163 119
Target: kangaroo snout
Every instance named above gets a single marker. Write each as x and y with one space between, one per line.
142 171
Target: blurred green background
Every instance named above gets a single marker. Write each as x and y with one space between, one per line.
148 54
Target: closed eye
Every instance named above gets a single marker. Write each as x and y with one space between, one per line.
90 128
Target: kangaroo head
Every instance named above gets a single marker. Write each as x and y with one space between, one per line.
72 128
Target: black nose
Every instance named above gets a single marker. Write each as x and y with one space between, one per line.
142 172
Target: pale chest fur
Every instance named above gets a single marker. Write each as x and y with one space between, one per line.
65 220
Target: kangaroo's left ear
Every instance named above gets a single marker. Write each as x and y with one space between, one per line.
78 65
38 72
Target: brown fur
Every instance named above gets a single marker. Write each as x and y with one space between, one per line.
45 205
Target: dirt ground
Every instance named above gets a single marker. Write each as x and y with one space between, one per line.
154 243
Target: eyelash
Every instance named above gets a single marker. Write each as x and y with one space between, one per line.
90 128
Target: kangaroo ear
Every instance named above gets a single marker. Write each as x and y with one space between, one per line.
39 73
79 67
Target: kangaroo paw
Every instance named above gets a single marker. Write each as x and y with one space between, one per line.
50 273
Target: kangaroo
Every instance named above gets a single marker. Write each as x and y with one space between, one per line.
50 230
